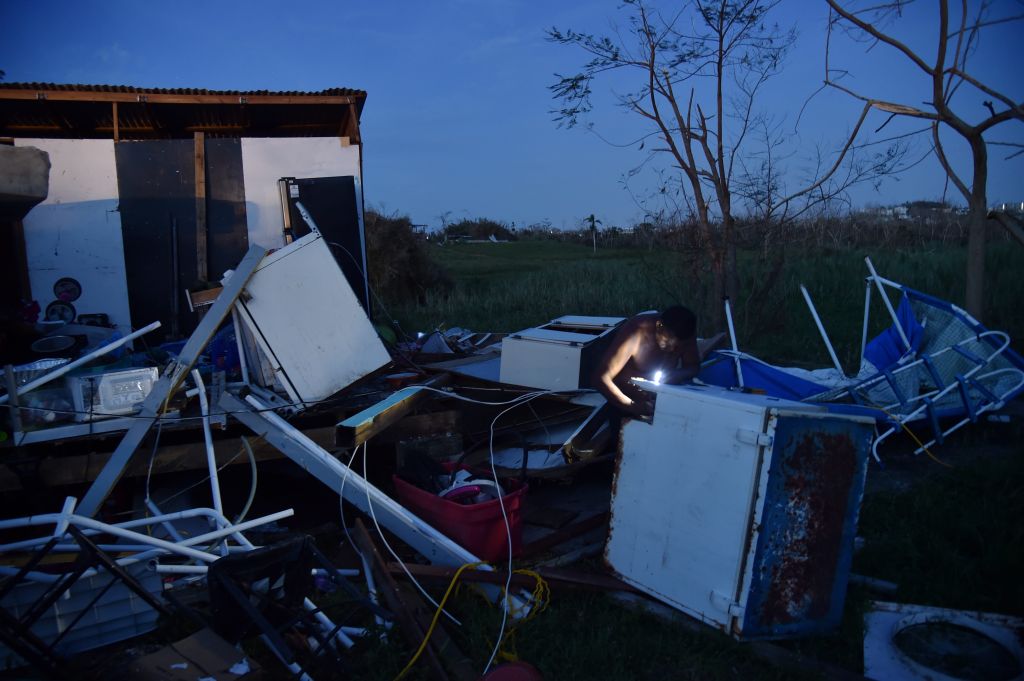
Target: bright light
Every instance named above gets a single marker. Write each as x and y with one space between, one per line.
419 334
657 377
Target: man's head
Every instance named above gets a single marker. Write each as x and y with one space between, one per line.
675 325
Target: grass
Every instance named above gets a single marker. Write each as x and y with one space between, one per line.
511 286
949 537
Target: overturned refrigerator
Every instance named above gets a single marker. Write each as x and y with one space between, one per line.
740 509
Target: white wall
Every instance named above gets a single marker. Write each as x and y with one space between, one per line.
76 231
266 160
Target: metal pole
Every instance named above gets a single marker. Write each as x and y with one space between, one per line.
888 305
211 455
735 345
99 352
864 331
821 330
168 383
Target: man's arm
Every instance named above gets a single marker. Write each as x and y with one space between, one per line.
613 362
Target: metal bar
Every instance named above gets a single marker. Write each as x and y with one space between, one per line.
734 343
169 382
119 572
12 390
211 455
61 370
357 491
867 315
888 303
821 330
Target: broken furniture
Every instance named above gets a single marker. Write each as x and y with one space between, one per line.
45 617
740 509
267 589
934 365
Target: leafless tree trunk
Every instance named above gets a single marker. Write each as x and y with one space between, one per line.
947 73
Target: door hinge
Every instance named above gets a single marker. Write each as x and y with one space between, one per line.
753 437
726 604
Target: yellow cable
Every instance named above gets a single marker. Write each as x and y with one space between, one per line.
912 435
437 616
540 597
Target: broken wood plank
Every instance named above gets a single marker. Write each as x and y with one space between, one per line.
388 590
565 534
358 428
200 175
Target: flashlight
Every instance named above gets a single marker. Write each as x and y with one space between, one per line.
657 377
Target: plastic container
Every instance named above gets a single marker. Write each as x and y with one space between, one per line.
478 528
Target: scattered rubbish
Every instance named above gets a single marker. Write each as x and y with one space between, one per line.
911 642
203 655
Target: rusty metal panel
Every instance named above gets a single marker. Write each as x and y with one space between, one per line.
807 526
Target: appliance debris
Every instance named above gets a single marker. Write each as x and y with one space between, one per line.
735 503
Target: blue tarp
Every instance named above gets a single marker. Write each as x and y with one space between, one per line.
886 348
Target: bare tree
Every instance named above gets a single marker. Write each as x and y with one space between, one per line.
698 71
946 74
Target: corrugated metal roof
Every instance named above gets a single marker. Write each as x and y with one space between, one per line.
76 87
126 112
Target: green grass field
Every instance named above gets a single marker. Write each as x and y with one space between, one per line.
511 286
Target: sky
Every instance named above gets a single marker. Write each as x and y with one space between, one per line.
458 120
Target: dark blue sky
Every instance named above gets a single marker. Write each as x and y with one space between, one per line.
457 119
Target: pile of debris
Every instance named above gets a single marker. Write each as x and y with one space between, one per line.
735 503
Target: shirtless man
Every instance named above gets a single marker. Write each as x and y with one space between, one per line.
645 344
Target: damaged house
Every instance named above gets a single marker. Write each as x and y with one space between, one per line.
153 192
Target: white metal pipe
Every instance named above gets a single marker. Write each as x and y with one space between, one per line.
138 522
864 329
888 303
69 507
408 526
735 343
99 352
341 572
371 587
199 539
155 510
821 330
211 456
240 344
327 624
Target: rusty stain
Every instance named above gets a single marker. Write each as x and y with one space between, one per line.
817 478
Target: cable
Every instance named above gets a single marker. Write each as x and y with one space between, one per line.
253 478
437 616
508 530
401 563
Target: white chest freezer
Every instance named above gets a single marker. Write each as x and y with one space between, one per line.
740 509
559 355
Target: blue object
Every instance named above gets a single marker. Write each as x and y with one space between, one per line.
807 527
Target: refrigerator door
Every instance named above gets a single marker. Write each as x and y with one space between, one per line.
682 500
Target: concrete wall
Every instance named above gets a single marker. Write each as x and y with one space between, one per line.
266 160
76 231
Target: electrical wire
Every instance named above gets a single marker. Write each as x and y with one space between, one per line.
401 563
437 616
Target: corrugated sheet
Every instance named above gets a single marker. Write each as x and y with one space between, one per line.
76 87
88 111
